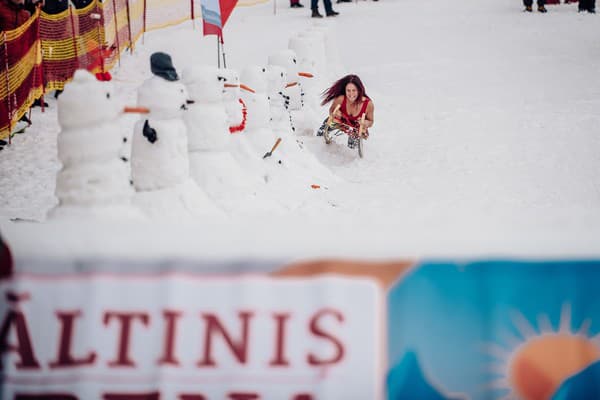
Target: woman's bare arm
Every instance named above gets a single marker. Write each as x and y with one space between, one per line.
369 115
336 102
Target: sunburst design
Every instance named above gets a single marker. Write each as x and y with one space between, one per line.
534 368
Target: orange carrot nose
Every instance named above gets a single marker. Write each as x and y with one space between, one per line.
291 84
136 110
247 88
230 85
306 74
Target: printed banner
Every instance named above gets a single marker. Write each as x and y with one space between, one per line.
191 336
495 330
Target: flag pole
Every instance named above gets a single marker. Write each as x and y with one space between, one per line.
218 53
223 51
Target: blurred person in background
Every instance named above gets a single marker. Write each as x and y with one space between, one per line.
314 5
587 5
540 3
296 4
55 6
12 14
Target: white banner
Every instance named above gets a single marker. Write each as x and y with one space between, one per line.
191 337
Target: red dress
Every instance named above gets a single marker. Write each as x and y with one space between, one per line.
353 120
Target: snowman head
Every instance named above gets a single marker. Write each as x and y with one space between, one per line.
86 102
305 51
165 99
204 84
276 79
286 59
255 77
231 83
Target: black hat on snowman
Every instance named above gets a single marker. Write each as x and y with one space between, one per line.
162 65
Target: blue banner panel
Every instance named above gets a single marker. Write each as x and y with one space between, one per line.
495 330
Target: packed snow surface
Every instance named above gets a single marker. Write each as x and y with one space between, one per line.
486 142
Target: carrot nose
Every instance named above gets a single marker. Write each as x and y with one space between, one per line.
136 110
306 74
247 88
230 85
291 84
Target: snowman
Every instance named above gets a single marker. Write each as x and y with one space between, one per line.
234 105
159 153
281 119
309 46
332 59
308 50
292 150
293 91
235 188
257 102
95 177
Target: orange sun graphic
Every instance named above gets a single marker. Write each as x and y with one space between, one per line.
540 363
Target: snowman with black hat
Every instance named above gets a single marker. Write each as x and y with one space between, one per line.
160 164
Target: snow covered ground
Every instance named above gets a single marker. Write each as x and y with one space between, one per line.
486 141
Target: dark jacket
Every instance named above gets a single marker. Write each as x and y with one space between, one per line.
55 6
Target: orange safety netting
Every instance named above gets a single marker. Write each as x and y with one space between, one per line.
20 72
70 40
43 54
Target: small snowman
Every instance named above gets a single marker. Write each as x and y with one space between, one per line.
257 102
281 119
234 105
308 52
159 153
235 184
95 177
332 58
293 91
206 119
159 147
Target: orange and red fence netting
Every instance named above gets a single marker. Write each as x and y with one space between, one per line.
20 72
43 54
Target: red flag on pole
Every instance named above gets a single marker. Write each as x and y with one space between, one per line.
215 14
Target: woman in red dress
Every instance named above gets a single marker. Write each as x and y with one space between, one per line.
350 102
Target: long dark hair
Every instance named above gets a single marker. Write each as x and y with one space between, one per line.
339 88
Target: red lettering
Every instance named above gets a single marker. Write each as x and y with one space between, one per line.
239 349
279 359
65 358
125 320
316 330
131 396
23 347
170 330
191 397
243 396
303 396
